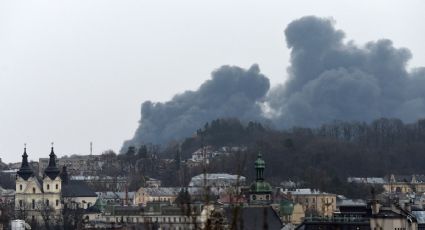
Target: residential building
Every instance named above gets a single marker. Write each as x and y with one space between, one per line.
6 195
76 164
314 202
103 183
153 183
373 216
155 215
145 195
405 183
117 198
218 182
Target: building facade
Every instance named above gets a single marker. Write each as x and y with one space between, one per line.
42 199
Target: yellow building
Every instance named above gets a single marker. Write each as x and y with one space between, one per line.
405 184
313 202
41 199
37 199
145 195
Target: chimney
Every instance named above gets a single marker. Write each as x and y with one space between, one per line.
126 196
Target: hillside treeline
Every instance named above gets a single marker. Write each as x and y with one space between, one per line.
318 157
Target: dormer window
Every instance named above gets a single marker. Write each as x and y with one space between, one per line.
33 190
48 187
57 186
20 187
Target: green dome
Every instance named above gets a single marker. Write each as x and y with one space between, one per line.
259 163
260 187
286 207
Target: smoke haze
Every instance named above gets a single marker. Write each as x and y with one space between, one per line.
329 79
231 92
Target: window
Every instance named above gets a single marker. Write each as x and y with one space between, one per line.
47 202
33 204
48 187
20 187
20 203
57 202
33 190
57 186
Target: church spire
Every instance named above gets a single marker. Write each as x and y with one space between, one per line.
25 171
52 170
260 165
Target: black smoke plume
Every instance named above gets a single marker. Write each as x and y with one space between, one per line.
231 92
329 79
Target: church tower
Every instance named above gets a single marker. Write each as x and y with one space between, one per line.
25 171
28 191
52 171
52 183
260 192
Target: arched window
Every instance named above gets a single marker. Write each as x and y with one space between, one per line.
20 187
48 186
33 190
57 186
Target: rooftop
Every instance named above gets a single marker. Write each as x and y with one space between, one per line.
305 191
215 176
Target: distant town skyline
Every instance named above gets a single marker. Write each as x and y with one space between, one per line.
77 72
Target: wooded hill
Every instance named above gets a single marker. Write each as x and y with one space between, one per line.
320 157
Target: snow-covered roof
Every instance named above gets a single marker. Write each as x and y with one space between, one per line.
215 176
305 191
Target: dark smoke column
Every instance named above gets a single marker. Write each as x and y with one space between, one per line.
330 79
231 92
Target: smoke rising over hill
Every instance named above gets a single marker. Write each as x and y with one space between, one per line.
329 79
231 92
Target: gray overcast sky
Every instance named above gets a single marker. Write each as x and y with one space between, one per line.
77 71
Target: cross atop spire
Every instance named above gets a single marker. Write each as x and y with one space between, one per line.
52 170
25 171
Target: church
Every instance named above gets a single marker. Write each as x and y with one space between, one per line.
41 199
260 191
